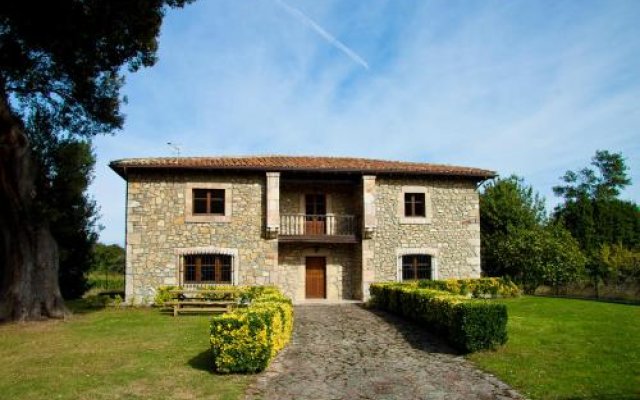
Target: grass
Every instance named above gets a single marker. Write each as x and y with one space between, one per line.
569 349
112 354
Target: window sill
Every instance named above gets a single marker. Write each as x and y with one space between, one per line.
207 218
415 220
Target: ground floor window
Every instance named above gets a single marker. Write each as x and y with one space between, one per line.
207 268
416 266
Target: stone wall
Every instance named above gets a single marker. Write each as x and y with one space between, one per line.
341 269
450 233
157 230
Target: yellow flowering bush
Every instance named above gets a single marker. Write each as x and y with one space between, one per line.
247 339
164 295
481 287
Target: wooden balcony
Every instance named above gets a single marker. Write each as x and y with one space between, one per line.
309 228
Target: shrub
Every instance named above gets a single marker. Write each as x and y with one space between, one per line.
164 295
246 339
483 287
468 324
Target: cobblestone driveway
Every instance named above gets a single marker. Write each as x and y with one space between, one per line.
347 352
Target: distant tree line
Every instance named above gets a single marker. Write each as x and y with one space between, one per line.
591 235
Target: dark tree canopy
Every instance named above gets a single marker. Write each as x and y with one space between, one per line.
604 183
64 58
62 66
592 210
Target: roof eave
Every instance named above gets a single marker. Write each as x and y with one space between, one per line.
480 175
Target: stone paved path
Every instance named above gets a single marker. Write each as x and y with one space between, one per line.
348 352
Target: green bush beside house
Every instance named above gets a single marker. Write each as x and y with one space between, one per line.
469 324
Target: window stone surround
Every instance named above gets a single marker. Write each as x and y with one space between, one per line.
428 210
422 251
189 251
188 206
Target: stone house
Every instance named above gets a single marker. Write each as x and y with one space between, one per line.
317 227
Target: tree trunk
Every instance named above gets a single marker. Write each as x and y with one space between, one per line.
28 252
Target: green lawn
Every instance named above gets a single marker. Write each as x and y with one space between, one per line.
112 354
569 349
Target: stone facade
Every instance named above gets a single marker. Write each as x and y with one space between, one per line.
158 232
340 269
450 233
161 231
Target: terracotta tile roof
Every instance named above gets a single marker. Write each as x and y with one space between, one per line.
297 163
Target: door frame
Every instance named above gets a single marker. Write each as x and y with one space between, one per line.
324 257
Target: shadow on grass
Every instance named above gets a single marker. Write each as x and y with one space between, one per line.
82 306
202 362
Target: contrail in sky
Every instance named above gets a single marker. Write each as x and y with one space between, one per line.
322 32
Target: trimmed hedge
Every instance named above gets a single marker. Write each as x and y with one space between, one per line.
245 340
481 288
468 324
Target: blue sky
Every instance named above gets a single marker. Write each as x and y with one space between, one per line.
526 87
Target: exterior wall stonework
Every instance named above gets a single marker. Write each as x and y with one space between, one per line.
157 230
452 235
341 270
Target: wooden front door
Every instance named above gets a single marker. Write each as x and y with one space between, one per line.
316 277
315 214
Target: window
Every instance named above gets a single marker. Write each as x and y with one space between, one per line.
207 268
414 205
416 266
208 201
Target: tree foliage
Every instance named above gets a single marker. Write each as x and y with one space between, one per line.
596 217
63 59
506 205
603 183
108 258
65 172
62 66
540 255
619 263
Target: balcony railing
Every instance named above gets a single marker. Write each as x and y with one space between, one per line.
318 225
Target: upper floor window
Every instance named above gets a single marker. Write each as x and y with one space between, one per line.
208 201
414 205
207 268
416 266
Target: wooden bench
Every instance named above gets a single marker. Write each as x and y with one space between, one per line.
187 301
200 306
